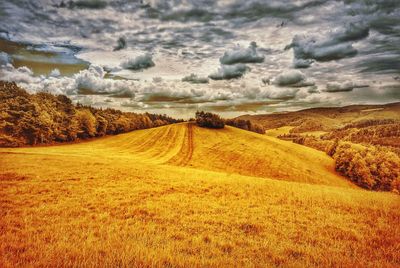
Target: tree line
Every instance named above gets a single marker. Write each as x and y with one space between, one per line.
210 120
42 118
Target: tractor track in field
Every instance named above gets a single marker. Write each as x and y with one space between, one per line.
190 147
187 150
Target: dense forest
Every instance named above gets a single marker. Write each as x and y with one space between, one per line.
42 118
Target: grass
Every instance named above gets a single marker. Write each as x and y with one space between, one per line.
160 198
275 132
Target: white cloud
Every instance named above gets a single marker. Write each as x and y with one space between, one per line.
302 63
242 55
229 72
312 89
194 79
292 78
339 87
55 73
138 63
320 98
281 93
18 75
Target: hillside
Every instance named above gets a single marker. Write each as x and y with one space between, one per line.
228 150
364 140
180 196
325 119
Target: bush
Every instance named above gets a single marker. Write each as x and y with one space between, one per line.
209 120
368 166
87 123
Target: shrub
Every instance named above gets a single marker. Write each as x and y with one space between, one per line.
209 120
368 166
87 123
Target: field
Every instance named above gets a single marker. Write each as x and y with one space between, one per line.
184 196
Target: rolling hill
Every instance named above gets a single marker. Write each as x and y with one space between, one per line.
180 196
325 119
228 150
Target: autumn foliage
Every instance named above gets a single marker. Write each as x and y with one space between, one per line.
246 125
370 167
383 132
366 151
209 120
43 118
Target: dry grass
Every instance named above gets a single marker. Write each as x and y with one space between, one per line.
160 197
325 118
275 132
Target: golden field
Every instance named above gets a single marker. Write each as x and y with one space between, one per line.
184 196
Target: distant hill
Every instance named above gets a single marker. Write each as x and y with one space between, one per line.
325 119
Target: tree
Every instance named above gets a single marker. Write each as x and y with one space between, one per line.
246 125
368 166
87 123
209 120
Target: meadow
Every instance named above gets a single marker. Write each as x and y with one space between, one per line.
184 196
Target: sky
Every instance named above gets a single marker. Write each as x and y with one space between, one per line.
231 57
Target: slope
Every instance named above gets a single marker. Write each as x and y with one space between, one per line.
142 199
229 150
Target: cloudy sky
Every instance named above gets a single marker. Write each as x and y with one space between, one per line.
178 56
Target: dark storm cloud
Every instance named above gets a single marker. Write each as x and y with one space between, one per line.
331 46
